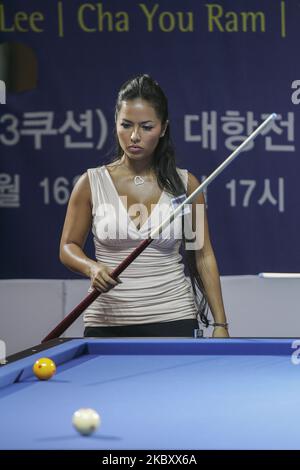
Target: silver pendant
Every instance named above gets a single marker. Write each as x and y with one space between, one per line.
138 180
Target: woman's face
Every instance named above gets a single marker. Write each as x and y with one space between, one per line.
138 128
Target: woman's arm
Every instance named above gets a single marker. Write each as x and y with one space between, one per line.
76 228
207 265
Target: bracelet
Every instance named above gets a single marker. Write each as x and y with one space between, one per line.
223 325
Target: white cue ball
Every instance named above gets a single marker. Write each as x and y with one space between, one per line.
86 421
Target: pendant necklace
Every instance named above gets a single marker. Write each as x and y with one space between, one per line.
138 180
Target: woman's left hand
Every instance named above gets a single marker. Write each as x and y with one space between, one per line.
220 332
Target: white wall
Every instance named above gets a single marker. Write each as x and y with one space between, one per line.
256 307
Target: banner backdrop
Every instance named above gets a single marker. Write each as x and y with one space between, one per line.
224 66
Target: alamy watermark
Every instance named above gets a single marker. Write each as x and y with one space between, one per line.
296 94
121 222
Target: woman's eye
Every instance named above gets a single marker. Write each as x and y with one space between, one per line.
125 125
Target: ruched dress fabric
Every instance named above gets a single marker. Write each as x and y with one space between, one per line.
154 286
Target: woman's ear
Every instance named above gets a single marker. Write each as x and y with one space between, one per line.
164 129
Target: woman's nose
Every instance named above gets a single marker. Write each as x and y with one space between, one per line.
135 137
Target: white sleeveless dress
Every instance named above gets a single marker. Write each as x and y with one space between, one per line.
154 288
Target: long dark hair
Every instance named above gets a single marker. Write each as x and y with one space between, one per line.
164 166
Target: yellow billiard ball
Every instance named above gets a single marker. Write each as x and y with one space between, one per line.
44 368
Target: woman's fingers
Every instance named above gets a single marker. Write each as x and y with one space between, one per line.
103 281
99 286
107 277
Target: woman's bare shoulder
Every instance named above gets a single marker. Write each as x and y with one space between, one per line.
82 187
193 184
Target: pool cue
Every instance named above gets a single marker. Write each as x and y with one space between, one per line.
76 312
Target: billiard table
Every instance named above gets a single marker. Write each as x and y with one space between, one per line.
155 393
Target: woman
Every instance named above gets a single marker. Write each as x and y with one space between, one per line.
154 297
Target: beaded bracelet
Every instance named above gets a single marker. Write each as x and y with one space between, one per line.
223 325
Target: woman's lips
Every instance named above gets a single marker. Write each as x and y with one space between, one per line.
134 149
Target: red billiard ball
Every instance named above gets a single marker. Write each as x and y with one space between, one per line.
44 368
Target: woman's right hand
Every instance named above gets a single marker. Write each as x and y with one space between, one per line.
101 279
